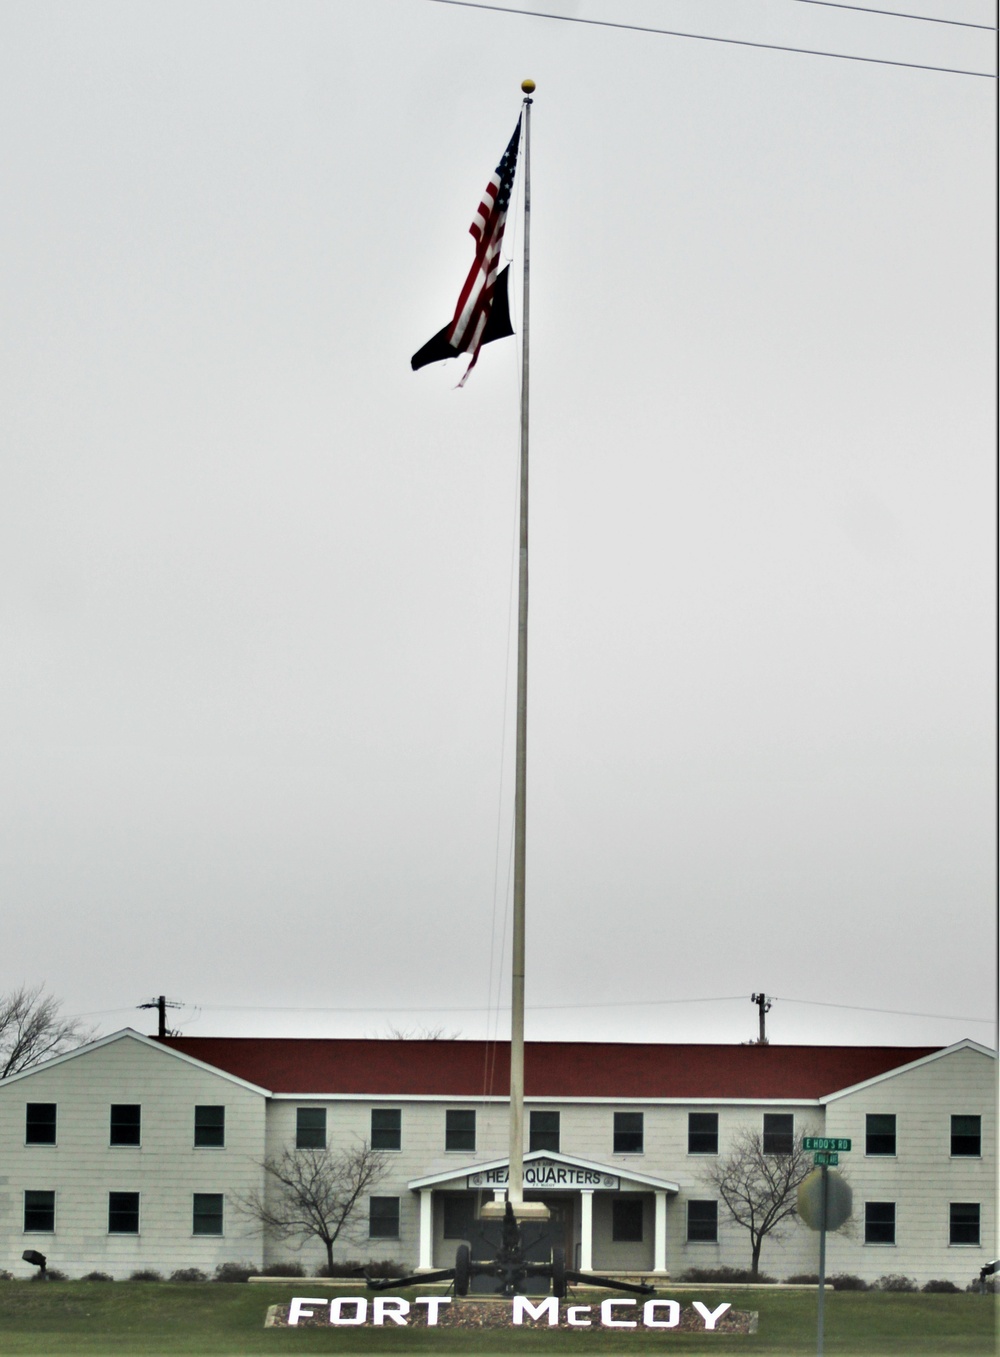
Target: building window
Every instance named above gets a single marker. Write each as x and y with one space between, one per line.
963 1223
123 1213
39 1212
459 1130
880 1133
40 1124
383 1217
880 1222
966 1136
458 1215
544 1132
387 1128
703 1133
626 1220
310 1128
779 1132
628 1133
703 1222
210 1127
206 1216
126 1123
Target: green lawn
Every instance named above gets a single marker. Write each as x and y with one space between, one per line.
66 1318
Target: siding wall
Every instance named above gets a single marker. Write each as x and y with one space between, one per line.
166 1170
82 1168
922 1179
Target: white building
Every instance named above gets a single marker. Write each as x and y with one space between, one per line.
133 1152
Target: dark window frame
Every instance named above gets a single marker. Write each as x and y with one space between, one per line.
211 1133
957 1226
706 1230
880 1222
460 1135
705 1139
39 1209
383 1214
773 1137
36 1127
540 1137
203 1215
117 1208
627 1220
388 1137
310 1137
880 1143
125 1129
628 1133
962 1141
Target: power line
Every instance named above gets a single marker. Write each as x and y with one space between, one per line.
897 1012
896 14
707 37
548 1008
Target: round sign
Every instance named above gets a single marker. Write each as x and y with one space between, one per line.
839 1200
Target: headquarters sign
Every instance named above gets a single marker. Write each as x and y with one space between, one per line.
544 1173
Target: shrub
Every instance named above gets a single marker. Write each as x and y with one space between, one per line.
189 1274
991 1285
804 1279
146 1274
894 1282
284 1270
350 1267
97 1277
944 1286
235 1272
725 1274
6 1276
846 1281
51 1274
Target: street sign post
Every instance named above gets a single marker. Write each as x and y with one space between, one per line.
825 1202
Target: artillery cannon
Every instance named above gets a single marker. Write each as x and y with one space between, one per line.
511 1267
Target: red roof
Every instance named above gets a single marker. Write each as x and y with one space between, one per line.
553 1069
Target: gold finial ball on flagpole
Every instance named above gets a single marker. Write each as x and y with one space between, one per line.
528 86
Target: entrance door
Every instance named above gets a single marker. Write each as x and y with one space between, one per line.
557 1231
539 1239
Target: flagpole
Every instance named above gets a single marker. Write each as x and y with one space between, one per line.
515 1173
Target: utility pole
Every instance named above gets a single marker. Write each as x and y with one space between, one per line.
764 1006
161 1003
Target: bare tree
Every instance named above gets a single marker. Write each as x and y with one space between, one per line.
394 1033
759 1189
314 1194
32 1029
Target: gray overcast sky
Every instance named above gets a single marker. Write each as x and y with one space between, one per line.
255 574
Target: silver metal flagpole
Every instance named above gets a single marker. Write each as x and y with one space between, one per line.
515 1168
515 1173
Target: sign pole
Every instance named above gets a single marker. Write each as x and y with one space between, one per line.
822 1265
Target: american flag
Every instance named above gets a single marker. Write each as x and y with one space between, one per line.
465 334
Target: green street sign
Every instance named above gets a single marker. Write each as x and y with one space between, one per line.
829 1157
826 1143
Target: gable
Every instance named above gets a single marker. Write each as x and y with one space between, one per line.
121 1047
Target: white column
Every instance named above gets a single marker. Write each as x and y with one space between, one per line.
660 1233
586 1231
426 1228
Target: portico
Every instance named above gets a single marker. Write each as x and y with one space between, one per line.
582 1195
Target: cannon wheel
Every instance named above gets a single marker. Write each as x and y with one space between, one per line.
463 1270
559 1272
